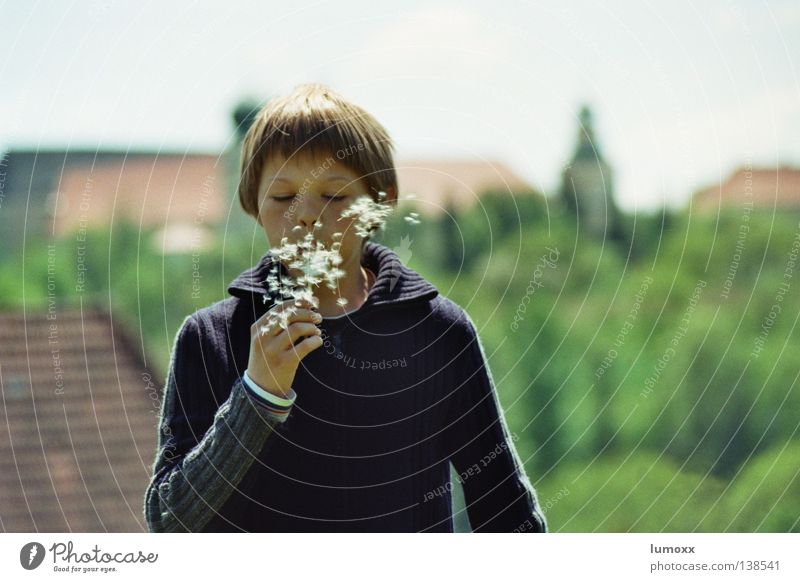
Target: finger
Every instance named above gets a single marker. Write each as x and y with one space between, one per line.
287 307
268 327
304 315
307 302
283 306
305 347
306 298
289 337
273 325
304 301
269 320
280 313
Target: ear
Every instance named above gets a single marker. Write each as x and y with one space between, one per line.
391 195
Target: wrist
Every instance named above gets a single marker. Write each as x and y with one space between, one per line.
271 394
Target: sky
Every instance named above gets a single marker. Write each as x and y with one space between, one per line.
683 93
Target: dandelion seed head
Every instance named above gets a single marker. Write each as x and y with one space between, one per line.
316 263
369 214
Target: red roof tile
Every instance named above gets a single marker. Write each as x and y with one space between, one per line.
766 187
75 458
433 182
156 191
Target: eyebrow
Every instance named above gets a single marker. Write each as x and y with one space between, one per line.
329 179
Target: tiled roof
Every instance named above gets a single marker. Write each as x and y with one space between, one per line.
78 423
162 191
184 195
766 187
433 182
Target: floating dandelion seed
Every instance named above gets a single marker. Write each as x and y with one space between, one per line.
316 263
412 218
370 215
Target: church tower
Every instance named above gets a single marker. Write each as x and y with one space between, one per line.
587 187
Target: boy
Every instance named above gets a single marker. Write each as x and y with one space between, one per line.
339 414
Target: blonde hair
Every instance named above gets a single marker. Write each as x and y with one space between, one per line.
315 119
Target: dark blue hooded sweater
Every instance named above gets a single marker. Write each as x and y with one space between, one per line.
399 389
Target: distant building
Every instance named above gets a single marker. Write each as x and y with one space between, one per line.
767 188
78 423
186 196
59 192
587 185
437 184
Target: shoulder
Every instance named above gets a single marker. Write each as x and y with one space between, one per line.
453 319
211 338
216 315
212 324
458 345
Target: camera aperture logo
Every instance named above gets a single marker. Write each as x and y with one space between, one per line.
65 559
31 555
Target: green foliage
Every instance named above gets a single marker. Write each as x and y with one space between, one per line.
599 352
765 496
643 491
633 492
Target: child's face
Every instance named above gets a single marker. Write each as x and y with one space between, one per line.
305 191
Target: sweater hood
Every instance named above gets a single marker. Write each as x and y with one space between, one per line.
394 282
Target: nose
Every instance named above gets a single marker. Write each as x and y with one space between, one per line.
308 213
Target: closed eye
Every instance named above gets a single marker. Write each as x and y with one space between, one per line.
283 198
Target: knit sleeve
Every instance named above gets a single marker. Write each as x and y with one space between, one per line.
204 450
498 494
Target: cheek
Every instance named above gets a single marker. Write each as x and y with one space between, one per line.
274 214
274 224
347 226
351 241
